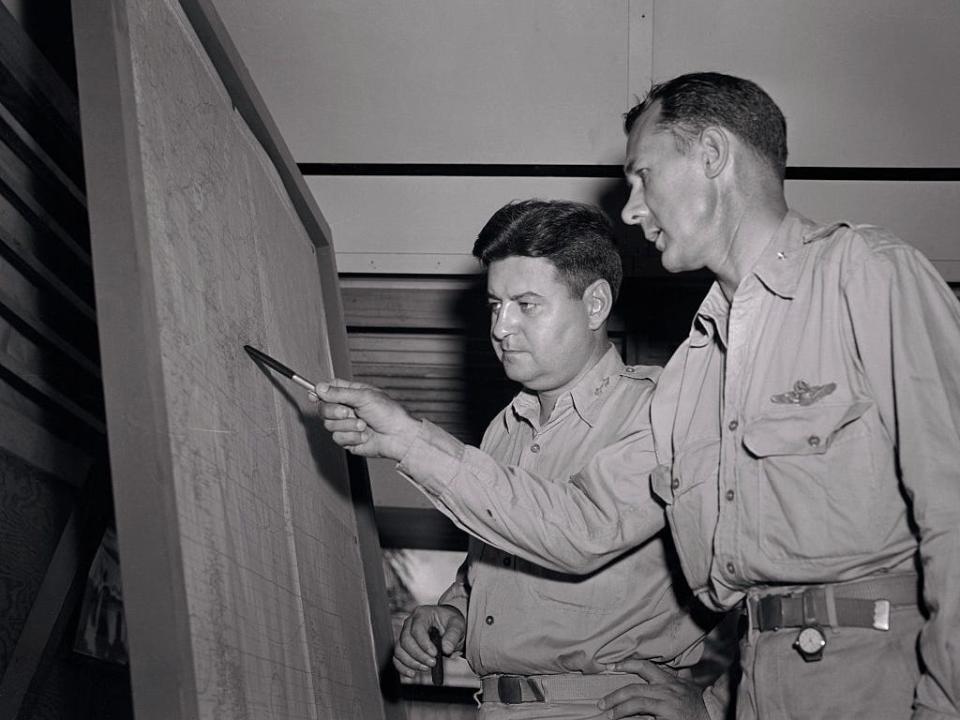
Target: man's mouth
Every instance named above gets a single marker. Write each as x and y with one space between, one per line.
656 237
510 352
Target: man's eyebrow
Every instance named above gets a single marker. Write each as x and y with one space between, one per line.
527 294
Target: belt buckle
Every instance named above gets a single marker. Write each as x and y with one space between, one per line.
509 690
769 612
881 615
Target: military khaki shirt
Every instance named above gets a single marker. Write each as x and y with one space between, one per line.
572 495
801 426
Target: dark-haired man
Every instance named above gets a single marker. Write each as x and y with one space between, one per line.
808 428
558 485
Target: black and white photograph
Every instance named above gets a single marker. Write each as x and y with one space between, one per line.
479 360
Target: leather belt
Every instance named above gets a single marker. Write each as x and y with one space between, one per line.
514 689
864 603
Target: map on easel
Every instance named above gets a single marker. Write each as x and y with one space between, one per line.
244 585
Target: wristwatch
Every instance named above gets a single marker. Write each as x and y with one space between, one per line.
810 643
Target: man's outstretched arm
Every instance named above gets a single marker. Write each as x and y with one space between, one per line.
574 524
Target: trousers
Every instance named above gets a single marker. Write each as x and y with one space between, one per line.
864 673
565 710
565 697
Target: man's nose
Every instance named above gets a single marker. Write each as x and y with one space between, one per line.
502 322
636 208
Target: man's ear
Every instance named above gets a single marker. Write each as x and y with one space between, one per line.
598 300
715 150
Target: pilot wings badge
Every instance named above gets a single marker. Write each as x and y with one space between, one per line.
803 393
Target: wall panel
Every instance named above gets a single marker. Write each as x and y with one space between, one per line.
429 87
429 224
435 81
861 82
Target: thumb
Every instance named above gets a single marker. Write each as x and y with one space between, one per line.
352 384
339 392
452 638
646 669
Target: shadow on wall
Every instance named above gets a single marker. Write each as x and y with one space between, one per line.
50 27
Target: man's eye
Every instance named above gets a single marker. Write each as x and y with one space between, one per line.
527 307
494 307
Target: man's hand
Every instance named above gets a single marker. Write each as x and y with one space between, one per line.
415 652
665 696
365 420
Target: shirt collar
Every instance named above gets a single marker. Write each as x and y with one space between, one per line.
781 264
585 396
779 269
711 319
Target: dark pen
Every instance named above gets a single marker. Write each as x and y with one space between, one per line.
262 357
436 672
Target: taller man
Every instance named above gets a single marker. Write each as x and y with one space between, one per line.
809 427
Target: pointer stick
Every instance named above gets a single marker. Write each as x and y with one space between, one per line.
262 357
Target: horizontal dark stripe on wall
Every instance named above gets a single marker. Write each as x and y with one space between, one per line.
611 171
461 170
902 174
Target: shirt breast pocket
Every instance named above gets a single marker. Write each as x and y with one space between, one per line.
815 481
601 593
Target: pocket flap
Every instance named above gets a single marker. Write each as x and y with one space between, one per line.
660 483
800 430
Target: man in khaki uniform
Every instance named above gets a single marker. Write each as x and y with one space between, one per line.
560 484
809 428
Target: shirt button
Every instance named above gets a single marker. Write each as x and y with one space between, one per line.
535 448
813 440
730 495
506 560
730 570
733 425
489 620
675 483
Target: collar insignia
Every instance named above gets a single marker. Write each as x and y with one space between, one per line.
602 386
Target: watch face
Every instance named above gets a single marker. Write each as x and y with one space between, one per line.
811 640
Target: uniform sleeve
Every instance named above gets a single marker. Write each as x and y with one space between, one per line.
458 594
576 525
906 325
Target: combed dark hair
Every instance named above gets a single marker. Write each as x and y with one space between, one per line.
577 238
690 103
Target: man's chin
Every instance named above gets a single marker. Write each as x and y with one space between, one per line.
672 265
515 372
516 375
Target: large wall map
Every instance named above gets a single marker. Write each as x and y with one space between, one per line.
271 617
